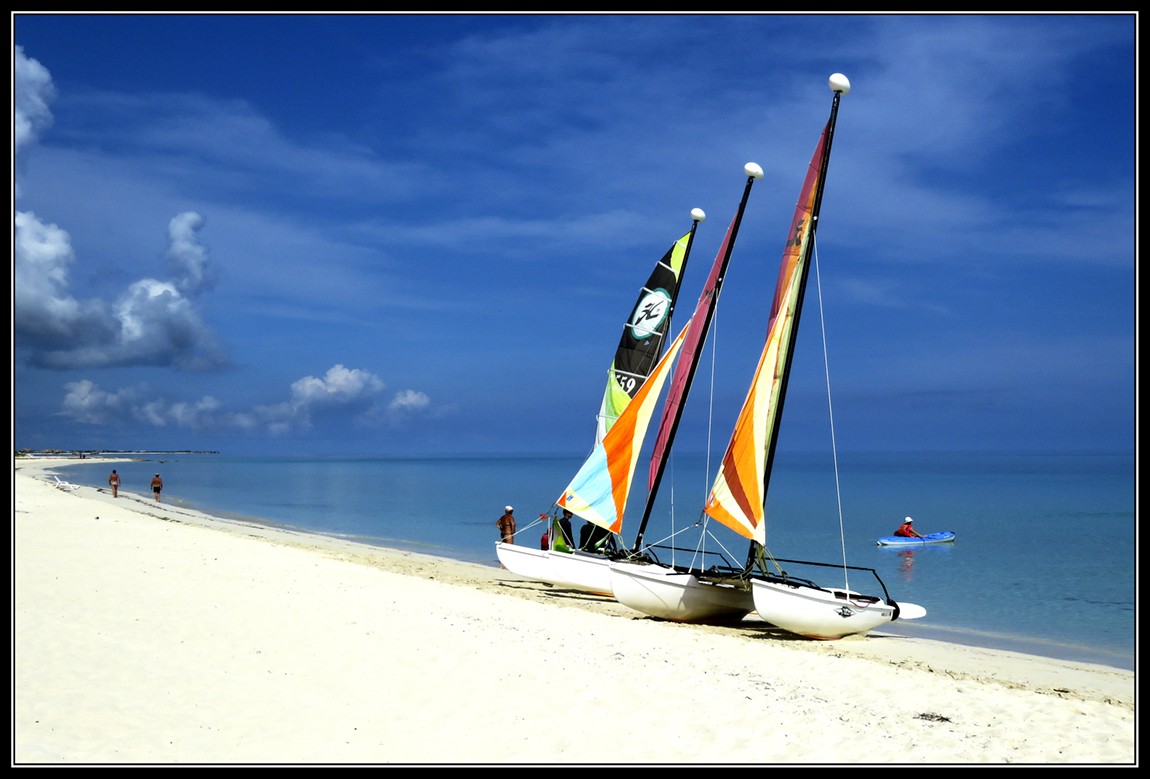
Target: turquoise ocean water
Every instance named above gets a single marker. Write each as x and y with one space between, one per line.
1045 559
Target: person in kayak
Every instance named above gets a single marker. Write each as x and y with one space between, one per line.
907 529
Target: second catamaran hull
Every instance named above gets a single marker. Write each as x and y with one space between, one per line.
824 613
576 570
673 595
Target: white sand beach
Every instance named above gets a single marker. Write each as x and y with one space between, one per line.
145 633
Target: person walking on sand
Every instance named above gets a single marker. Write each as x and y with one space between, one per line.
906 529
506 525
157 485
114 483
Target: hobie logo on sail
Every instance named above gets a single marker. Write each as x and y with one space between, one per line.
650 313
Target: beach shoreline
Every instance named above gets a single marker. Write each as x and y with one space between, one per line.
300 504
131 621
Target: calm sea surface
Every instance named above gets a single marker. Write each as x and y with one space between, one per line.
1045 559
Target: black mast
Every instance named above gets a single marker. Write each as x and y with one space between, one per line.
710 295
829 132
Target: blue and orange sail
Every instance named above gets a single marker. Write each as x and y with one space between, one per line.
599 491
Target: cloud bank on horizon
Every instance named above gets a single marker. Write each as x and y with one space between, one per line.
150 322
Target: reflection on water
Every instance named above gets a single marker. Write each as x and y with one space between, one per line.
906 567
930 561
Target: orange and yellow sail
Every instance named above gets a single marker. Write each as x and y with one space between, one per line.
738 494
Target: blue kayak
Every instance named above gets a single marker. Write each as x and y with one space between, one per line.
941 537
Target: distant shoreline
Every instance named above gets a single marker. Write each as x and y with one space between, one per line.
83 454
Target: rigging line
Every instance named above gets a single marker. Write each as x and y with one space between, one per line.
713 334
711 411
538 520
669 539
674 532
701 550
831 413
698 552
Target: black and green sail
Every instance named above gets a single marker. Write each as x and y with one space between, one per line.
644 333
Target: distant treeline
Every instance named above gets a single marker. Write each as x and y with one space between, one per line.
98 452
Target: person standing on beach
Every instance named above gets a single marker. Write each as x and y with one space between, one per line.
506 525
907 530
114 483
157 485
565 528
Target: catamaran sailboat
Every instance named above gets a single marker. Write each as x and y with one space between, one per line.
634 381
737 498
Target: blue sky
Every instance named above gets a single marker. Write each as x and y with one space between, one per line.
421 234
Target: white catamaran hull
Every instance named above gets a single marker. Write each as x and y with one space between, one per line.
577 570
663 592
824 613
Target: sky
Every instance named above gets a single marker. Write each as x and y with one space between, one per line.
421 234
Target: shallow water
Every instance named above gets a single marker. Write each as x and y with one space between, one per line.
1044 559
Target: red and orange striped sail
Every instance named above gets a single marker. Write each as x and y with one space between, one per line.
737 496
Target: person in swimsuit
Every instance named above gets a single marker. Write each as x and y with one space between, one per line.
506 525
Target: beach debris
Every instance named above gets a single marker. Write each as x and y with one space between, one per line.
932 717
66 486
